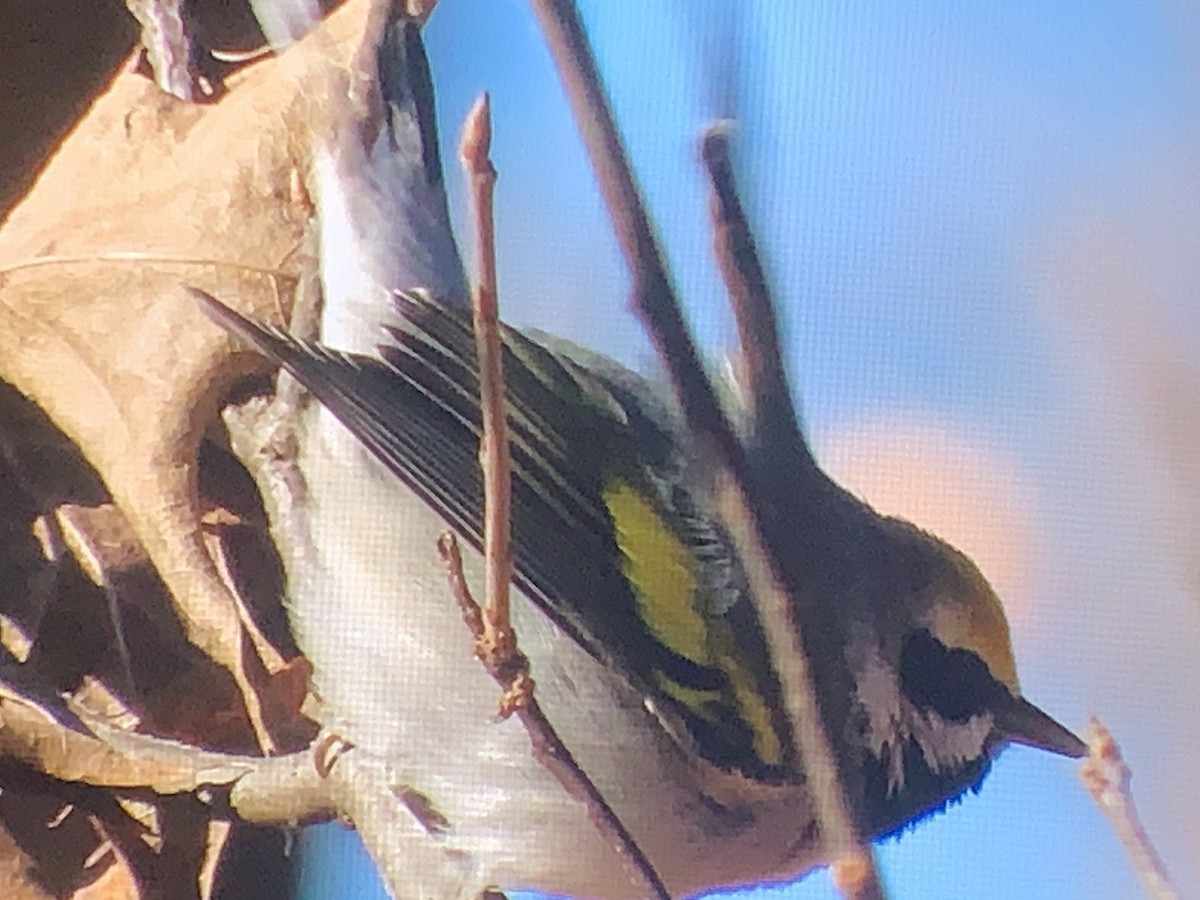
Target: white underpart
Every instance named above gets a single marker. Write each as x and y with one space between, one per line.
394 667
381 230
947 744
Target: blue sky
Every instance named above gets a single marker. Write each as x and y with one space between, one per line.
982 221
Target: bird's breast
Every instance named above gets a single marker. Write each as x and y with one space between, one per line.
393 665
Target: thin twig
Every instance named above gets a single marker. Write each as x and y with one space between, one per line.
655 302
654 297
781 466
493 451
1107 777
845 848
496 641
773 421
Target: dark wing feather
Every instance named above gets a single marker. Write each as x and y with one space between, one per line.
422 422
572 432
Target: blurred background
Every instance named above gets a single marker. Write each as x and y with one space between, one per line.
983 227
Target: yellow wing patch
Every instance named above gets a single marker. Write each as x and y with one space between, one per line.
661 571
665 582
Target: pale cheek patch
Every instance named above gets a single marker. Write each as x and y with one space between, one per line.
893 722
879 693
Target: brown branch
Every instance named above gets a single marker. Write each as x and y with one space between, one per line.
781 462
493 451
812 743
773 421
653 295
108 756
281 790
828 767
83 749
1107 778
278 790
495 639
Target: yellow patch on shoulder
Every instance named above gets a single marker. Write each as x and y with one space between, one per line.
665 581
661 570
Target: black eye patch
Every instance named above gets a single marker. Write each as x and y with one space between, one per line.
956 683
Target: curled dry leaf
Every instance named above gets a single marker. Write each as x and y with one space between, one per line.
117 516
148 193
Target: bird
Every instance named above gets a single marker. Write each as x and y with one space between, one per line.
629 600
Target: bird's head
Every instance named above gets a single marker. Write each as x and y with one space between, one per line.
939 685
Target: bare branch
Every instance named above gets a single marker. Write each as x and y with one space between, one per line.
777 445
1106 776
773 421
493 451
495 639
653 295
827 766
812 743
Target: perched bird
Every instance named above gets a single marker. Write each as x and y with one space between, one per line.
629 601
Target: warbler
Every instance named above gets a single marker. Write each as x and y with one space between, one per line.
629 601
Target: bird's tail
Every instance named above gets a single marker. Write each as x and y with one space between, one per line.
376 174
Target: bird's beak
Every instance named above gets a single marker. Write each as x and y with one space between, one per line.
1024 723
